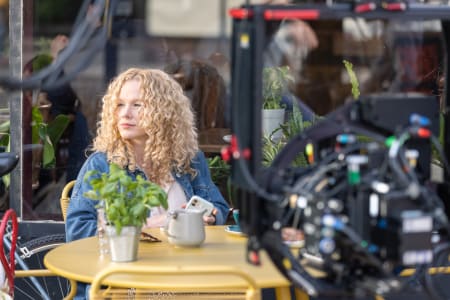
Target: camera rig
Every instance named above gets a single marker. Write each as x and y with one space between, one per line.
365 202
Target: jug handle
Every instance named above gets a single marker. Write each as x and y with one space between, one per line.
170 214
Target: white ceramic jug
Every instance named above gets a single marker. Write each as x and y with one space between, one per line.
185 227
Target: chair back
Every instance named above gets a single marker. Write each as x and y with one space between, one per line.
65 198
144 289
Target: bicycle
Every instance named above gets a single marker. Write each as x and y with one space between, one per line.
31 279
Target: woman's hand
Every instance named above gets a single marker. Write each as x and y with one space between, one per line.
210 220
58 43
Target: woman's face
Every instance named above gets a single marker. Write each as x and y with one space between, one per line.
128 114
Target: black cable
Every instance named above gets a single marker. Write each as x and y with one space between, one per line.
442 249
392 158
82 12
81 36
100 35
97 37
254 185
48 76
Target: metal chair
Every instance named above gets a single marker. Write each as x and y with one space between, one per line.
143 289
65 198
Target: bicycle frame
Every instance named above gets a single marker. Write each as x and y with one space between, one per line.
7 240
20 253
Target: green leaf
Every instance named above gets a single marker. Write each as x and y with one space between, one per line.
119 226
92 195
36 116
353 79
138 210
48 158
112 215
57 127
126 219
36 122
6 180
110 188
4 140
219 169
41 61
5 126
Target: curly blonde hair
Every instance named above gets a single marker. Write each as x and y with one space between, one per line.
167 118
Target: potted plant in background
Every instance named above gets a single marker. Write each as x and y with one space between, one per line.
275 83
221 176
127 203
288 130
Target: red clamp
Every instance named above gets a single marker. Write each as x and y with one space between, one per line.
420 132
253 257
232 151
393 6
365 7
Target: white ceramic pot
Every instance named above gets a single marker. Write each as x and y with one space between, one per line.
124 246
271 120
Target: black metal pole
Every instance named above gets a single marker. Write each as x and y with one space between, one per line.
444 188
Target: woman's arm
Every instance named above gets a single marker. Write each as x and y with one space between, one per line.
81 221
204 187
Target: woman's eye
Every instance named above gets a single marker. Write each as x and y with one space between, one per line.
137 104
120 104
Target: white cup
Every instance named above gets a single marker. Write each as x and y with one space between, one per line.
185 228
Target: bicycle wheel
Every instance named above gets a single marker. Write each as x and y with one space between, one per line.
55 287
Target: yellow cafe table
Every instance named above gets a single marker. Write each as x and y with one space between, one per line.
218 265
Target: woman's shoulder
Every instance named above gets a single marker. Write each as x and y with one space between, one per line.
97 160
199 158
97 156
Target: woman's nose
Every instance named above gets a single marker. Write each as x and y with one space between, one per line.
125 111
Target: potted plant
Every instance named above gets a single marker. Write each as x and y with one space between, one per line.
290 129
127 203
275 83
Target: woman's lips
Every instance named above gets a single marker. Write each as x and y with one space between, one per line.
126 125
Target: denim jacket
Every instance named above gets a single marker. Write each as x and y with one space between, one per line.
81 218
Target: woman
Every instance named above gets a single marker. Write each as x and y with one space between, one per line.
147 127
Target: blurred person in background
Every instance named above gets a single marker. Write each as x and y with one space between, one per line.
70 150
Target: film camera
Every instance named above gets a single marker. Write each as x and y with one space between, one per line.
365 202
